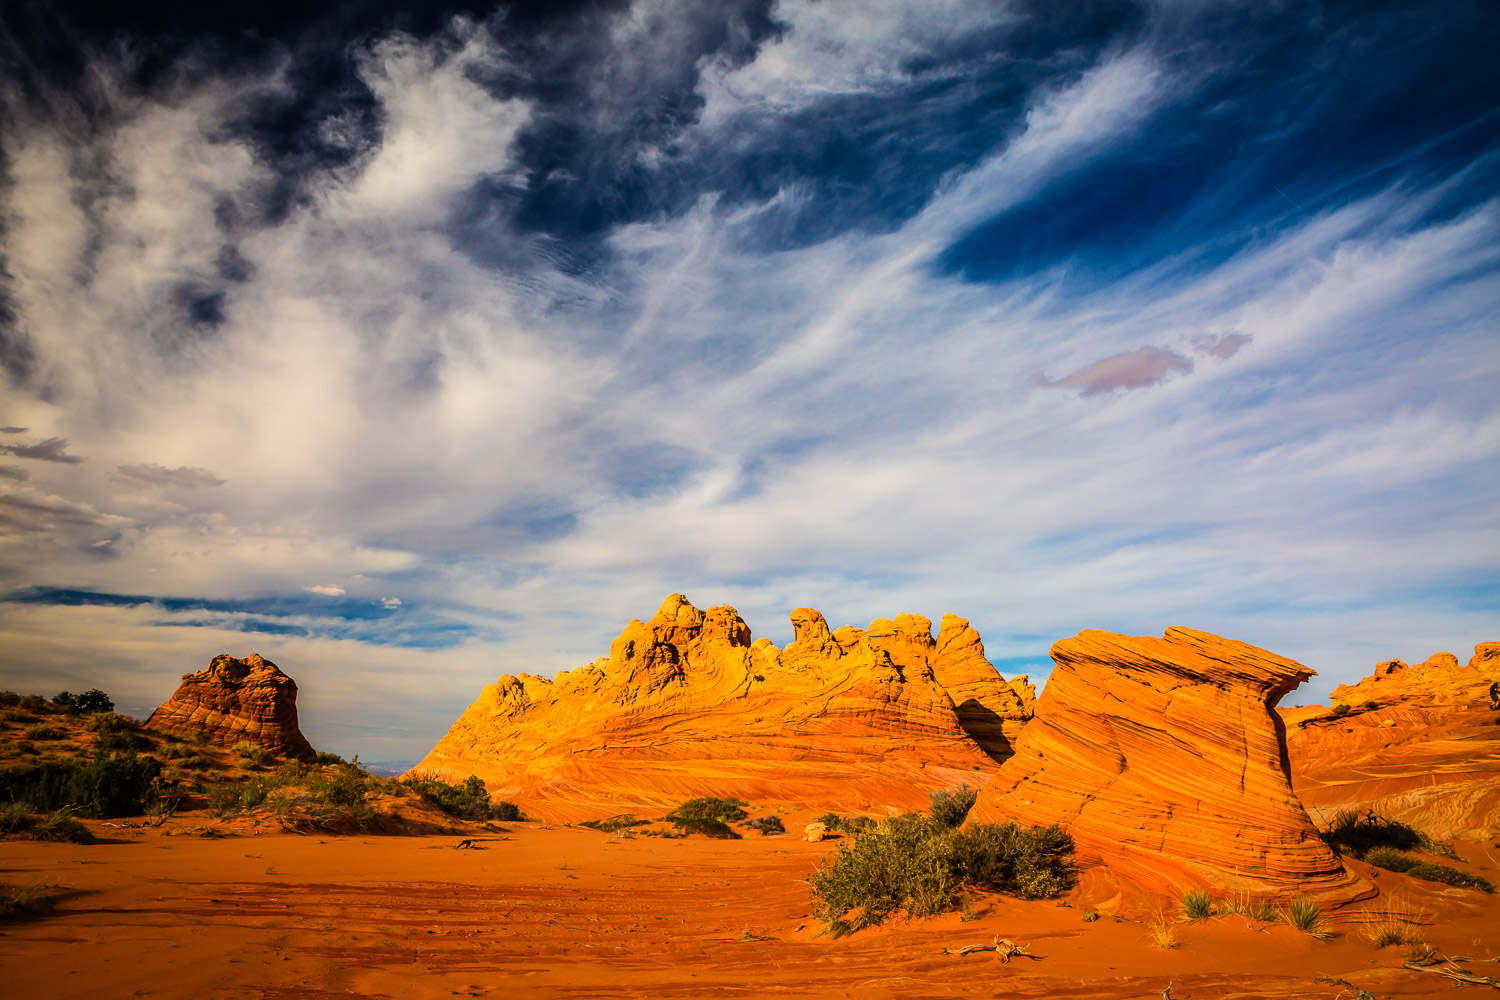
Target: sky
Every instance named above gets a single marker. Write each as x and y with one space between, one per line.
409 344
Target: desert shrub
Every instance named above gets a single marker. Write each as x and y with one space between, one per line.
1448 875
109 785
1355 832
468 801
1390 859
913 863
27 900
723 811
15 818
1370 706
42 731
232 797
8 698
326 758
16 715
25 748
769 826
854 825
1197 904
61 826
709 827
614 824
195 761
1341 710
34 703
950 806
109 722
506 812
896 867
251 753
1008 857
92 700
1433 846
1305 915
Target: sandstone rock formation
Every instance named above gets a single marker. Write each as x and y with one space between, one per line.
237 701
1418 743
686 705
1165 761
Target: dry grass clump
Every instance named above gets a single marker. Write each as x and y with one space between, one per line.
1162 933
1399 924
31 900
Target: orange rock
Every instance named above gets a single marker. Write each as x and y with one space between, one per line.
687 705
237 701
1165 761
1419 743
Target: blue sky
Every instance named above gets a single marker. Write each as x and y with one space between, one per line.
410 346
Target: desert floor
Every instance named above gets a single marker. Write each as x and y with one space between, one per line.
569 912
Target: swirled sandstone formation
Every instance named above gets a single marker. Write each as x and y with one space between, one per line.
237 701
1165 760
687 705
1417 743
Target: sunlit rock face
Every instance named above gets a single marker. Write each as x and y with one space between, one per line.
1166 761
1417 743
687 704
237 701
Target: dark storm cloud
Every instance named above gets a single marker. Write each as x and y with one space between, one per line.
53 449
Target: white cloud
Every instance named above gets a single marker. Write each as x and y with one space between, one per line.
326 590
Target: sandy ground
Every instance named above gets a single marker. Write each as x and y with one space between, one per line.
569 912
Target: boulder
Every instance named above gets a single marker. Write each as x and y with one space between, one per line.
814 833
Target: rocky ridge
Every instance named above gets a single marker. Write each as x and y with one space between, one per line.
1418 743
687 704
1165 760
237 701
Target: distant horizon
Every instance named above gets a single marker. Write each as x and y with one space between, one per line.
410 345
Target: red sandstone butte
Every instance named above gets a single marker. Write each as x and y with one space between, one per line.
687 705
237 701
1165 760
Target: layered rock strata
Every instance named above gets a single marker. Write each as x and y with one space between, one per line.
1165 760
686 705
1417 743
237 701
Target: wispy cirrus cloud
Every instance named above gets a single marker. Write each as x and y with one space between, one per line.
531 323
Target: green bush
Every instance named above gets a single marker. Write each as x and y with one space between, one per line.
769 826
895 867
16 715
62 827
15 818
251 753
950 806
1197 904
715 828
1305 915
854 825
1355 832
109 785
92 700
467 801
42 731
34 703
1341 710
613 824
1448 875
914 863
506 812
325 758
999 855
722 811
1390 859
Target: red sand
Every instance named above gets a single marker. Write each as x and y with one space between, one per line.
572 912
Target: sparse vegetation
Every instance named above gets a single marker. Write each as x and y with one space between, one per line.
769 826
251 753
614 824
27 900
1196 904
1307 916
1341 710
1357 832
915 864
467 801
1398 861
112 784
950 806
1399 925
852 825
1162 933
42 731
61 826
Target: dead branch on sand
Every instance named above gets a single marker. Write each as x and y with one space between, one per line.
1004 947
1454 973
